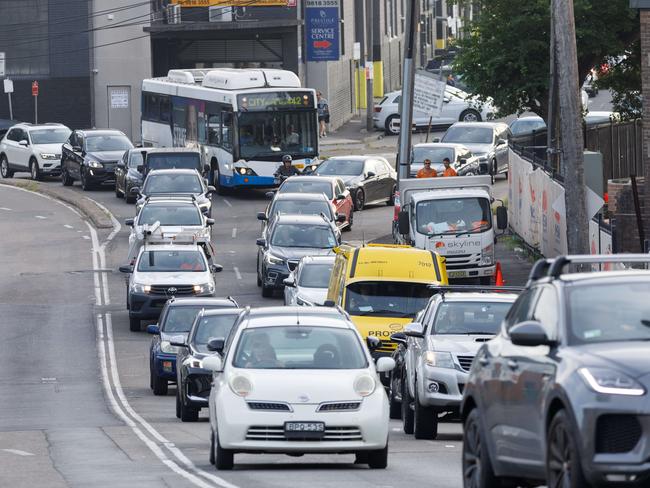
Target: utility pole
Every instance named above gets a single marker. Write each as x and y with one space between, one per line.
552 114
370 99
571 138
406 108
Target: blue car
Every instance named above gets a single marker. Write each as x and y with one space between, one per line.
175 322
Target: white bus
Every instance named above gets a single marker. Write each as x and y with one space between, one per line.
243 121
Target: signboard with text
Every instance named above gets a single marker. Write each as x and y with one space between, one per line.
2 64
322 30
428 94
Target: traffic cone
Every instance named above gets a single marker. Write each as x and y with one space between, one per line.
499 276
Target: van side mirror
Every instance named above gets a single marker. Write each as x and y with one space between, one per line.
216 268
261 216
209 221
502 217
126 268
403 222
216 344
414 329
213 363
153 329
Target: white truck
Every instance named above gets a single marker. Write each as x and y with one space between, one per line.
453 217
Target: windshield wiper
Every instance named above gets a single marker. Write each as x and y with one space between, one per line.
393 313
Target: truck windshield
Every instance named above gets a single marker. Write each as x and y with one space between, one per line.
435 154
453 216
386 298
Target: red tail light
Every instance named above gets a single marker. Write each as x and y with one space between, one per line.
378 109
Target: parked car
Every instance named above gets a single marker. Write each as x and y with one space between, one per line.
176 319
527 125
333 402
129 174
179 182
488 141
459 156
307 284
332 187
193 382
560 396
458 106
369 179
91 156
32 148
291 237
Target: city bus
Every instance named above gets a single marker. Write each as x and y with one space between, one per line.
242 120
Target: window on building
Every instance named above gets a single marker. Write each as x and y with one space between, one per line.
24 37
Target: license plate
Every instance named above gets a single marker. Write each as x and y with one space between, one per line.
304 430
456 274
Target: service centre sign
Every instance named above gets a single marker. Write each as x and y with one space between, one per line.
322 30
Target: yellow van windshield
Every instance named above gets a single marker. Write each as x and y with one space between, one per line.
386 298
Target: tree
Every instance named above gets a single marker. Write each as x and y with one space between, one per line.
505 53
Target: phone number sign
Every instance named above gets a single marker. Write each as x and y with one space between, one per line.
322 30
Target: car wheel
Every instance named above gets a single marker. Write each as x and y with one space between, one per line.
66 179
127 197
359 200
159 385
469 173
348 227
4 167
388 126
391 199
267 291
178 403
217 182
85 183
425 420
257 271
378 459
477 467
563 466
188 414
224 459
118 193
407 411
134 324
470 115
395 406
34 170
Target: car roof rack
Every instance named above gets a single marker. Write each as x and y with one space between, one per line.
153 234
442 289
553 268
179 196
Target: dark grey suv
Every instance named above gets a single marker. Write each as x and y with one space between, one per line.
561 394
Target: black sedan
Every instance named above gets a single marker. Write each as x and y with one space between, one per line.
129 174
193 381
91 156
562 395
370 179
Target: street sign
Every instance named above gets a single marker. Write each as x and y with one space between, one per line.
356 51
322 26
2 64
9 86
428 94
370 71
230 3
34 88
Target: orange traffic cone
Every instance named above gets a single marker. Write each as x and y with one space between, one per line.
499 276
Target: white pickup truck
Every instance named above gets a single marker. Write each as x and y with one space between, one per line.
453 217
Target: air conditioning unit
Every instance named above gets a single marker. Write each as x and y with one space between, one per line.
173 14
220 14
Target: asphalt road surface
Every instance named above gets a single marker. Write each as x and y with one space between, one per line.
66 327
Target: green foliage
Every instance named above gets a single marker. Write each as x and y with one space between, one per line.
624 79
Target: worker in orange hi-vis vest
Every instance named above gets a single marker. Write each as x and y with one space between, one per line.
449 171
427 171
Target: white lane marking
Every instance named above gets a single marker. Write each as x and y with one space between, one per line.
85 237
237 273
5 208
396 429
234 232
18 452
68 226
449 445
40 217
227 203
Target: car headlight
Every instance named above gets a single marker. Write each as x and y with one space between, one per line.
205 288
611 382
94 164
140 288
303 302
487 255
271 259
241 385
364 385
166 347
439 359
50 156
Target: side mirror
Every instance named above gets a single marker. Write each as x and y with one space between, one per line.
153 329
176 343
216 344
446 99
140 168
209 221
129 222
530 333
501 142
261 216
216 268
403 222
269 195
414 329
261 242
373 343
483 168
340 217
370 174
126 268
463 161
290 281
385 364
399 337
206 168
121 165
135 191
340 196
213 363
211 189
502 217
329 303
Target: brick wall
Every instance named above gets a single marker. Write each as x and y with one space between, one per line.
621 208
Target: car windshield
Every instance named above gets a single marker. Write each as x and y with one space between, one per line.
301 207
296 235
271 134
174 161
135 159
107 143
180 318
435 154
49 136
386 298
469 317
453 216
299 347
173 183
469 135
524 126
170 215
315 275
170 261
340 167
300 185
212 327
611 312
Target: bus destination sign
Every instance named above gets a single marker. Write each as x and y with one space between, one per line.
275 101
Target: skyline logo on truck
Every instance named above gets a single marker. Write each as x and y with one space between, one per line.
457 247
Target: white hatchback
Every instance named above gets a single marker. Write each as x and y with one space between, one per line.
297 380
307 284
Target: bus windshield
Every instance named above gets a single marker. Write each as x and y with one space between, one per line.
271 134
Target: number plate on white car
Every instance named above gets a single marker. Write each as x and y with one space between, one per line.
304 430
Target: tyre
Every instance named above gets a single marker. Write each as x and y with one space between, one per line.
378 459
217 183
158 384
85 182
211 458
267 291
361 457
118 193
348 227
134 324
224 459
391 200
127 197
470 115
477 467
257 271
4 167
178 403
35 170
563 466
388 126
425 420
66 179
407 411
359 200
188 414
395 406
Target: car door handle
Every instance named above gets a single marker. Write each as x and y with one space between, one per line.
483 361
512 364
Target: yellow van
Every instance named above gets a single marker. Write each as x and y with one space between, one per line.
383 286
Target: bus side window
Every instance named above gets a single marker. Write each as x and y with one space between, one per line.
165 109
226 130
214 130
